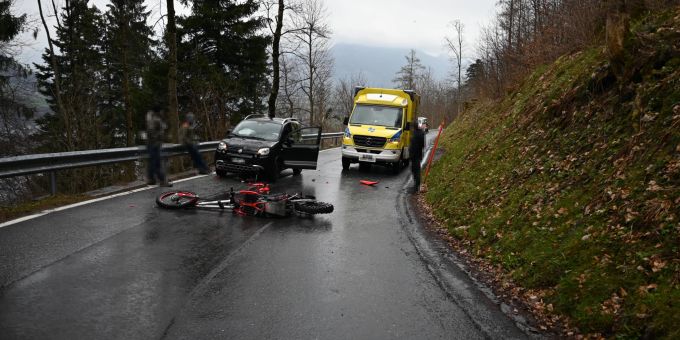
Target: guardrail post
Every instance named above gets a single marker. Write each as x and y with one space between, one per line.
53 182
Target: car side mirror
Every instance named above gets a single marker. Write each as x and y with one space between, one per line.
228 133
345 121
407 126
288 141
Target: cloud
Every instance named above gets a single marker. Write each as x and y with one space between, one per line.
406 24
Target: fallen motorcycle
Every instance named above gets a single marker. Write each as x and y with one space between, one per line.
255 201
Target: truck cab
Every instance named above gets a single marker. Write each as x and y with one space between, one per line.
378 131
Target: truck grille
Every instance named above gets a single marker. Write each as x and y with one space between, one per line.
370 141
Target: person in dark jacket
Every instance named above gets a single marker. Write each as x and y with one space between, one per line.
416 149
188 136
155 127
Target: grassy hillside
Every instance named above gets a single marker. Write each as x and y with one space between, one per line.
572 184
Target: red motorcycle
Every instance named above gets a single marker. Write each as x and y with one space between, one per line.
255 201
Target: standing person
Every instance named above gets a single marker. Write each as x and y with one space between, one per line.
188 134
154 134
416 153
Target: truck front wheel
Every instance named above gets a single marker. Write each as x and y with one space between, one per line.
364 166
345 163
398 165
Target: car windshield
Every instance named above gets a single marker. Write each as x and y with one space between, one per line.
257 129
377 115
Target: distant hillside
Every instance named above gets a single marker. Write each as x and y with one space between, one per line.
26 91
572 185
379 64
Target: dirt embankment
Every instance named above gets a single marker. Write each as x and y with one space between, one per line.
571 185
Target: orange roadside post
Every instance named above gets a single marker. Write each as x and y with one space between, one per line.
436 142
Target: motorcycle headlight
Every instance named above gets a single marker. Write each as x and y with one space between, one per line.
263 152
222 146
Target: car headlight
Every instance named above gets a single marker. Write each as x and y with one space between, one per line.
263 152
222 146
347 134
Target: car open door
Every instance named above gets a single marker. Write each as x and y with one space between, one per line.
301 149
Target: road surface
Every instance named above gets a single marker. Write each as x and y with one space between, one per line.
121 268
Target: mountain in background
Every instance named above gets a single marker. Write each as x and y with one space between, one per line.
25 89
380 64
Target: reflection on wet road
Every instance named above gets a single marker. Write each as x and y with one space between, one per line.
122 268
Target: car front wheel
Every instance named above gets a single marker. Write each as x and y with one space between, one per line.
273 171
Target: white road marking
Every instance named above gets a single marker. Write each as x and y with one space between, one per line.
45 212
337 147
227 261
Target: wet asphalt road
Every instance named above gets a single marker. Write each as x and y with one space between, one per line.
122 268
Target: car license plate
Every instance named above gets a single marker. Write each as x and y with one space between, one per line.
367 157
238 160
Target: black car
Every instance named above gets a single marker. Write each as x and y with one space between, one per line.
260 144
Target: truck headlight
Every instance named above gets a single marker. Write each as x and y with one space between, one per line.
263 152
396 138
347 134
222 146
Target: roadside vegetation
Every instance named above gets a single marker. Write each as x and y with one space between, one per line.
571 184
30 207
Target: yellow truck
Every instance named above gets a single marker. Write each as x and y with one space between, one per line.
378 131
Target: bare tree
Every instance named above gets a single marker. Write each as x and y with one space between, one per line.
313 34
409 74
324 89
455 45
290 87
280 25
57 82
527 33
276 42
344 93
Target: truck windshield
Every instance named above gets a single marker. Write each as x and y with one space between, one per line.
377 115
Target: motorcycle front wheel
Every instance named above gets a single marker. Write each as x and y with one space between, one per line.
177 200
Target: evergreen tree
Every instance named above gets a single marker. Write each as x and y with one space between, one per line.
223 43
14 108
79 40
476 77
127 53
10 26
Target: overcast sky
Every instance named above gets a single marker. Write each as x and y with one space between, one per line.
419 24
390 23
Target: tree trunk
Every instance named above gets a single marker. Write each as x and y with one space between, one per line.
57 83
221 120
275 61
511 23
129 122
208 124
173 117
310 95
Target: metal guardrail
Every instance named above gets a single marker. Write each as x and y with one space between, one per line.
52 162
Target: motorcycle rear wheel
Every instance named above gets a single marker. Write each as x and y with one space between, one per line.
314 207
